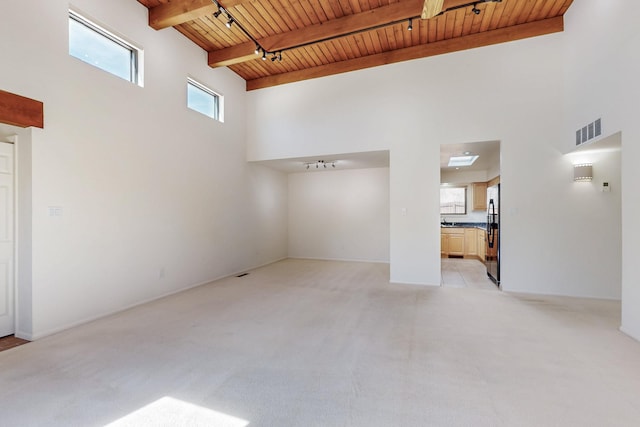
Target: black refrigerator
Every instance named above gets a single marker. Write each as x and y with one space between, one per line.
492 253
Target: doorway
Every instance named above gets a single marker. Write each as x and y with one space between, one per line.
7 240
467 171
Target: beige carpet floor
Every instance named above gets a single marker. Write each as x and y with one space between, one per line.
314 343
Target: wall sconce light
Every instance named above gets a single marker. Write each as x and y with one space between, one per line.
583 172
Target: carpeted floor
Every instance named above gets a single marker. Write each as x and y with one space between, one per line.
314 343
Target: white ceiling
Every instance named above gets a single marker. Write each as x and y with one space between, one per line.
488 152
364 160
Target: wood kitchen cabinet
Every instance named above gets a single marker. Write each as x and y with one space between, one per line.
470 242
452 241
479 196
482 241
444 245
456 244
466 242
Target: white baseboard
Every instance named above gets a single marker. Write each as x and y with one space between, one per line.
397 282
46 333
629 334
371 261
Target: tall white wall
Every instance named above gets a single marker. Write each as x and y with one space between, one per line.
512 93
155 197
601 69
342 214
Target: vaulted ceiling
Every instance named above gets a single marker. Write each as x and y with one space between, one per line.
304 39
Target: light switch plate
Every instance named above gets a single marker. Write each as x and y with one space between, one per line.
55 210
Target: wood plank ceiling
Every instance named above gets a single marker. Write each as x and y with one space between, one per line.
316 38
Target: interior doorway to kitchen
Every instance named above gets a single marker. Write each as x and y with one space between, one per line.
470 215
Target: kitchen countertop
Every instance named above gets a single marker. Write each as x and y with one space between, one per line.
480 225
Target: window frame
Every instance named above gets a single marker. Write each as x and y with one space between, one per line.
219 99
466 201
135 56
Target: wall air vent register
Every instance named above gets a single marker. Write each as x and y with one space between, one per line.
590 131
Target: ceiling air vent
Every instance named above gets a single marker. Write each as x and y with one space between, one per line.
590 131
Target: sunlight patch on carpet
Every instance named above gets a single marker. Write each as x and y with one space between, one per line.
168 411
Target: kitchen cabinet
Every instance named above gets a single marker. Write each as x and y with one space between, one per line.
494 181
452 241
482 241
465 242
470 242
444 245
456 244
479 196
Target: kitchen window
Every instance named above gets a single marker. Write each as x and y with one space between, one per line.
453 200
204 100
94 45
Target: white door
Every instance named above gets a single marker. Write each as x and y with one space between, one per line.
7 317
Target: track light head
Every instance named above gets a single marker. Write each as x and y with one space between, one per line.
217 13
274 57
320 164
475 10
229 22
279 56
410 27
257 51
264 55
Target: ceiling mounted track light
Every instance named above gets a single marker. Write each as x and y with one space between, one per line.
434 8
231 20
321 164
277 56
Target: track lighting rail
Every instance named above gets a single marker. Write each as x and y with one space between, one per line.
320 164
277 53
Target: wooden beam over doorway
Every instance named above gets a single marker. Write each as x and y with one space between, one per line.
19 111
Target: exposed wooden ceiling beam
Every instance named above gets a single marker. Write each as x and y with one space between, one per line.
178 12
315 33
450 4
502 35
19 111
